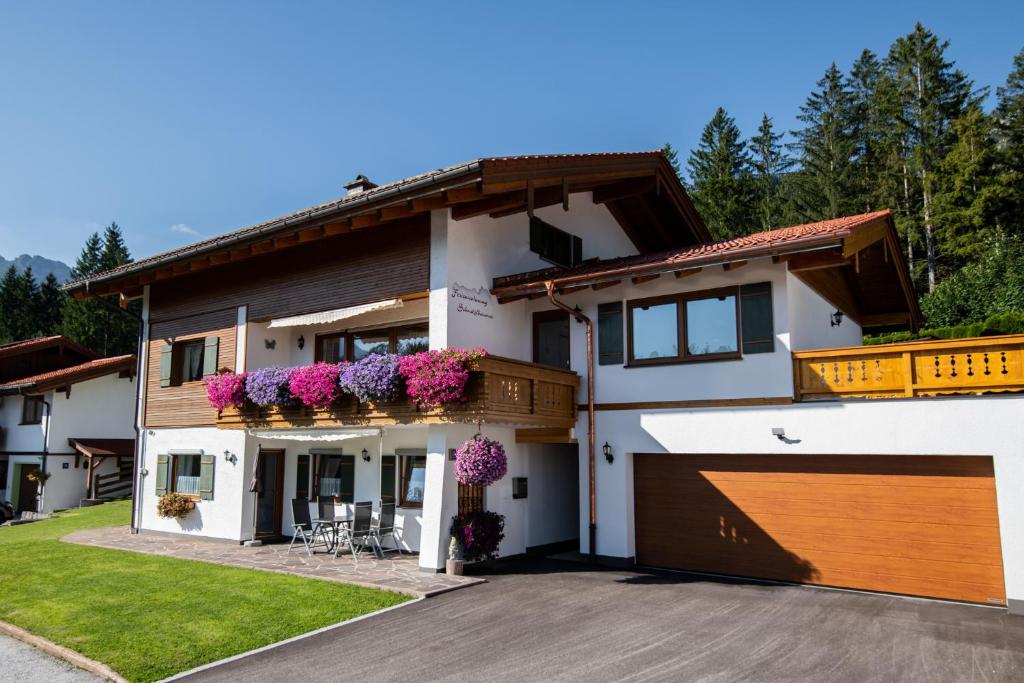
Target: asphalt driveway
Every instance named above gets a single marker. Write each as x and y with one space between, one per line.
560 621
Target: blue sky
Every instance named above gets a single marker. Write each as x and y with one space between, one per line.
185 120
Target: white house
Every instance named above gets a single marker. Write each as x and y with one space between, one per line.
719 421
68 415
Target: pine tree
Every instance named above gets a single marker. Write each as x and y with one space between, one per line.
824 187
1009 116
722 188
11 309
28 298
933 95
673 157
49 306
770 163
873 117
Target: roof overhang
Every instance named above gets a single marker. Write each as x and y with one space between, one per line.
65 377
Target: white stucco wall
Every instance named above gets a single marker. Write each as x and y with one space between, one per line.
552 505
97 408
811 326
970 425
19 437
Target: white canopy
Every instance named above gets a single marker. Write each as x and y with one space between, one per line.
324 317
312 434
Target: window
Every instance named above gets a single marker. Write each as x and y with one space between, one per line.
555 245
714 324
551 338
32 410
336 477
188 360
609 334
339 346
302 477
185 472
387 479
414 479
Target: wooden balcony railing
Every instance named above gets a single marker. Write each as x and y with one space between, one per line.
499 391
926 368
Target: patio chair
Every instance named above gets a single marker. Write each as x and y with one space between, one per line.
384 528
327 516
303 528
357 535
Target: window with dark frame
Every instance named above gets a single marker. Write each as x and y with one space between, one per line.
335 347
185 473
32 410
609 334
717 324
555 245
414 478
302 477
336 477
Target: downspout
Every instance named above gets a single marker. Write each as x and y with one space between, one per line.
46 451
591 438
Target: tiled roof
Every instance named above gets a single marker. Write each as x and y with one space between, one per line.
24 346
343 202
104 447
756 244
70 375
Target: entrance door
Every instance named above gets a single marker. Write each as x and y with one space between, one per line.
27 490
551 338
269 500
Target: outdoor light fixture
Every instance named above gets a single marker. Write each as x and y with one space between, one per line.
836 318
366 455
779 433
302 342
607 450
230 457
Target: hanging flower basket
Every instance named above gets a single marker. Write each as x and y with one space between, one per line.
268 387
315 386
375 378
480 462
174 505
226 390
434 378
479 533
38 476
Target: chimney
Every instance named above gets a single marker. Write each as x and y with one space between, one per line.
360 184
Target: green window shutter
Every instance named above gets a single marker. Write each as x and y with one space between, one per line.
210 351
206 476
165 365
302 477
348 479
387 479
609 334
756 318
163 466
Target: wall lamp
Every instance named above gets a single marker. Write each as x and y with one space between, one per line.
607 450
366 455
836 319
302 342
230 457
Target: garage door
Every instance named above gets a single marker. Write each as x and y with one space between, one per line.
918 525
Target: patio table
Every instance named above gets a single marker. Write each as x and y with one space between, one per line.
335 524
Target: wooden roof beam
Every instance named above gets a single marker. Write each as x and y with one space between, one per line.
547 196
365 220
680 274
337 227
621 190
598 286
463 194
811 260
489 204
640 279
429 203
733 265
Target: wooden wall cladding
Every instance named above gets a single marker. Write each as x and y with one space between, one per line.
323 275
186 405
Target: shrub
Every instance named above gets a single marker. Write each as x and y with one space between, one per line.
315 386
480 534
174 505
480 462
1011 322
268 387
433 378
374 378
226 390
991 286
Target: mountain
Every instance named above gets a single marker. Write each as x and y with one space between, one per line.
40 266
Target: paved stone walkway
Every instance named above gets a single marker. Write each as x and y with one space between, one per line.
400 574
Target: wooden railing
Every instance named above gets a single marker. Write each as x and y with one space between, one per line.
499 391
926 368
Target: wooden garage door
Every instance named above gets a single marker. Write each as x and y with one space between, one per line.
918 525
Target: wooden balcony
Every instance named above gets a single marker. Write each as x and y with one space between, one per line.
499 391
912 369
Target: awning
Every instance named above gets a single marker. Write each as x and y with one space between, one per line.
322 435
324 317
103 447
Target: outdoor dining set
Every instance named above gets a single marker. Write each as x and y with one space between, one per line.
335 533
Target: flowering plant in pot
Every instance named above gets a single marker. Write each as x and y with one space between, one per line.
226 390
174 505
480 461
268 387
479 534
375 378
316 385
433 378
38 476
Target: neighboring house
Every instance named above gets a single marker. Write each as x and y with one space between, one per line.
68 414
730 431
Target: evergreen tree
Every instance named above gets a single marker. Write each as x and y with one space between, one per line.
1009 116
770 163
28 299
11 309
722 188
49 306
825 186
933 95
673 157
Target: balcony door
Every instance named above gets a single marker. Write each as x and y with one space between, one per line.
551 338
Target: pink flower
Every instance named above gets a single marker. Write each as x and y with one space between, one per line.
434 378
316 386
480 462
226 390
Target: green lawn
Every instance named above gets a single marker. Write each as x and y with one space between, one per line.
149 617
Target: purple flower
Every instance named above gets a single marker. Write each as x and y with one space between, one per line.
267 387
480 533
480 462
375 378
